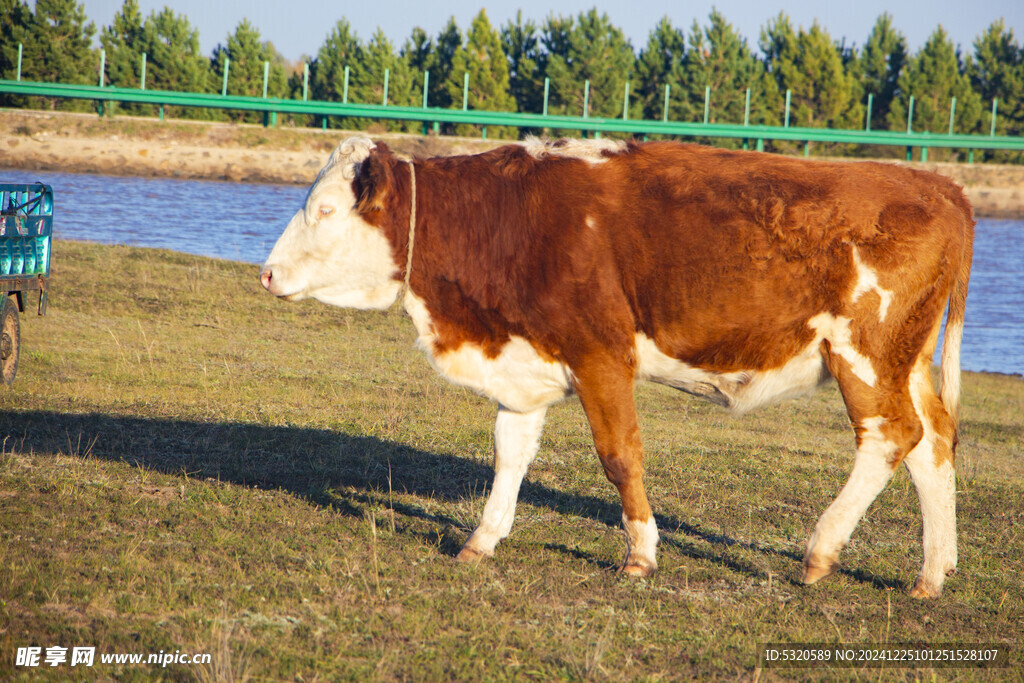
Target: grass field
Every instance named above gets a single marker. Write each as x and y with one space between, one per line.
189 464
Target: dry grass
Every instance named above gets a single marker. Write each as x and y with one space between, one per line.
190 464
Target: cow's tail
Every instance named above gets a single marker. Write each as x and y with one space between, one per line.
949 390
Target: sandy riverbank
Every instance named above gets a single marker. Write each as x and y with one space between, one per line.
243 153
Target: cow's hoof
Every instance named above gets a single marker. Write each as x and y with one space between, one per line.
470 555
814 572
925 589
640 570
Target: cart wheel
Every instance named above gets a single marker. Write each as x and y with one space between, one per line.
10 340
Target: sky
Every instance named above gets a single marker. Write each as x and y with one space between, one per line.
299 27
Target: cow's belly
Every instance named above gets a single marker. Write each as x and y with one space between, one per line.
742 390
518 378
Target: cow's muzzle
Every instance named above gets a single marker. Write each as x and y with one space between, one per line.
267 278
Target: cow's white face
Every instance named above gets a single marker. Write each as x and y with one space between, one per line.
328 252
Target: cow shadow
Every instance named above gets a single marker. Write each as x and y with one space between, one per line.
345 472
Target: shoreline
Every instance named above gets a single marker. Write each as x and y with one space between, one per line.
197 150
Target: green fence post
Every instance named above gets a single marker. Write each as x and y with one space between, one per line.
344 89
625 103
707 102
547 87
426 87
465 92
970 156
18 78
910 116
103 68
664 115
952 113
807 148
161 112
305 81
995 108
387 74
789 95
924 154
586 98
483 132
224 86
867 117
323 124
142 78
268 120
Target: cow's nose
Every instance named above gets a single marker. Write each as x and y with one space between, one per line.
266 275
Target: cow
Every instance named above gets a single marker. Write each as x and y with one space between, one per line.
539 270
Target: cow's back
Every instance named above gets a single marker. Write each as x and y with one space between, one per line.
727 255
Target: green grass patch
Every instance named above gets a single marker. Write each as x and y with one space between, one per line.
189 464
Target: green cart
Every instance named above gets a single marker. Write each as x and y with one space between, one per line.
26 230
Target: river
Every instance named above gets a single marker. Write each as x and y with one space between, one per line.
241 222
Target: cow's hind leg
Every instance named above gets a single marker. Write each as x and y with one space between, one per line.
606 392
887 428
516 439
931 467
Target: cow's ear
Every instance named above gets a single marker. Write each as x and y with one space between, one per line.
375 179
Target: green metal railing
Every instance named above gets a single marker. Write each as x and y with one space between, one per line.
746 132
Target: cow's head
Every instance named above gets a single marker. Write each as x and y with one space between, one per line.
329 251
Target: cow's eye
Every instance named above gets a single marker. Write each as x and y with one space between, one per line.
326 211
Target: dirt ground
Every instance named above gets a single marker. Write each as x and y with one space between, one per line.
144 147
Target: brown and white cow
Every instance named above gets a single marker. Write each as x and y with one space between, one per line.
537 271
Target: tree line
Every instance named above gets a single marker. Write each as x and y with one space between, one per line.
589 65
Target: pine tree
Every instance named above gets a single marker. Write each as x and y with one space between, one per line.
342 48
997 72
881 63
448 42
123 42
15 23
809 65
778 43
368 79
244 55
174 61
521 45
417 52
58 49
327 72
720 59
589 49
933 77
484 60
661 64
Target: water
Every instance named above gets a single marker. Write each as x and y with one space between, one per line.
208 218
242 222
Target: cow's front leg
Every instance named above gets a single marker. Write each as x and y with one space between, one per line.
516 438
606 391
